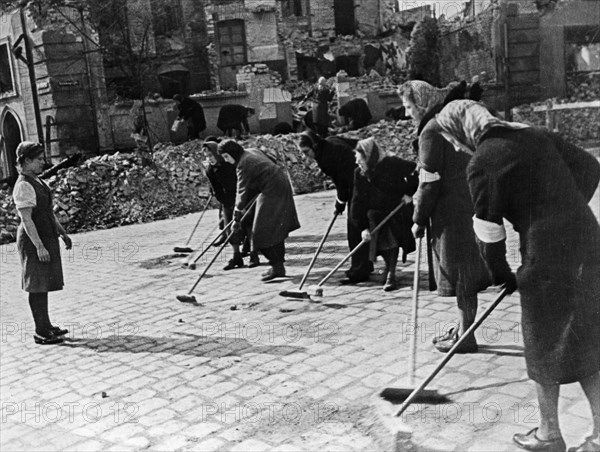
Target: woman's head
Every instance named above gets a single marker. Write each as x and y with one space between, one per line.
30 157
322 81
210 149
307 143
231 151
464 122
418 97
367 154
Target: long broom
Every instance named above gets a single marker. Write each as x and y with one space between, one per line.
188 297
430 396
411 395
298 293
319 288
191 259
185 248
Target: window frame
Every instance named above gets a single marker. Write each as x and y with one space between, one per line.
12 69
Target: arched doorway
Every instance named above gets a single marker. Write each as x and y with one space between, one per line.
11 134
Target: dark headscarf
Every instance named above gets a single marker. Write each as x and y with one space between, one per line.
212 147
309 139
232 148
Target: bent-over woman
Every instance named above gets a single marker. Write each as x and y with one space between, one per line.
541 185
381 182
275 215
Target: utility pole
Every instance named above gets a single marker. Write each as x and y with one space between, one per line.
32 80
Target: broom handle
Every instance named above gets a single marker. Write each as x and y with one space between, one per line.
450 353
212 261
319 248
199 219
197 258
362 242
191 256
415 316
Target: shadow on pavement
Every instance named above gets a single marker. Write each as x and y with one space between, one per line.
502 350
194 345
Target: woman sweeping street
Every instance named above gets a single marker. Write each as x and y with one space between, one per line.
381 182
444 202
223 181
275 215
37 241
541 185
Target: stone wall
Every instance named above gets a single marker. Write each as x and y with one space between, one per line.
467 48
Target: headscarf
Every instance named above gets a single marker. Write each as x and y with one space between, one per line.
232 148
309 139
371 152
467 121
424 95
212 147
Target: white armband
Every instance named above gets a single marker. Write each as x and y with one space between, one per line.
426 176
339 201
488 232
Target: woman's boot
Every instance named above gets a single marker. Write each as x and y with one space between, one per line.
391 259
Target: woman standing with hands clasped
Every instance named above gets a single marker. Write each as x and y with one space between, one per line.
37 240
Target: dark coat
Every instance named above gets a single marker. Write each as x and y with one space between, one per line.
378 194
446 204
233 117
542 185
335 157
321 109
223 180
275 215
40 276
192 111
356 111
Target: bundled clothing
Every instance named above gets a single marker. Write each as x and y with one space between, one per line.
542 185
335 157
275 215
234 117
193 113
378 192
356 113
443 201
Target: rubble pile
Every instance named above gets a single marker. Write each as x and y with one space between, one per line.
117 189
396 137
583 87
10 219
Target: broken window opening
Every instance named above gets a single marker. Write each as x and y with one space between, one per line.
582 49
168 18
7 85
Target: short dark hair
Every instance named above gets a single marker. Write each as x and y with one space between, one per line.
231 147
28 150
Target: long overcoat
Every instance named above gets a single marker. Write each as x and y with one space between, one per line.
542 186
444 200
275 215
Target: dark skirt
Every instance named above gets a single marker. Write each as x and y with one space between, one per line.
39 276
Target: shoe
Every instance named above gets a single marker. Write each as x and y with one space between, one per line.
591 444
254 260
444 337
355 278
390 284
220 241
272 273
58 331
529 441
445 343
47 339
235 262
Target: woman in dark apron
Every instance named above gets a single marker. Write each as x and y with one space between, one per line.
37 240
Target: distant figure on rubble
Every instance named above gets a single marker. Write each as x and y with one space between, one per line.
234 117
320 114
397 113
192 112
356 113
282 128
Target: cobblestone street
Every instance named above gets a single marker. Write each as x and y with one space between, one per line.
244 369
